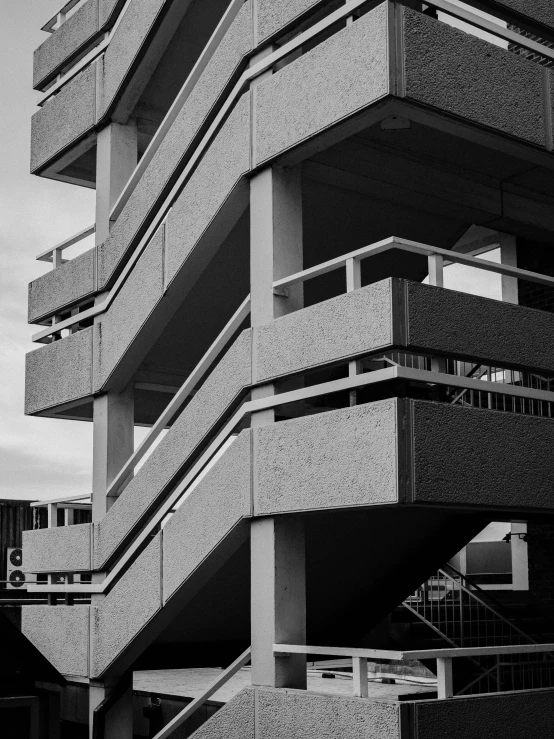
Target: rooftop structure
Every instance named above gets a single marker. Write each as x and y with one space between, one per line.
286 194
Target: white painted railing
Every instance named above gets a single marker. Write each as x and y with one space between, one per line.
443 657
69 505
55 253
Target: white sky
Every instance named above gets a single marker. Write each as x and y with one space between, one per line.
39 457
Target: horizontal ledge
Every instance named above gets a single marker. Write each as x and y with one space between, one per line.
41 503
284 649
47 256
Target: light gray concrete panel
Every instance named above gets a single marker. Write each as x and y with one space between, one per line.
209 403
72 281
515 715
125 44
62 549
129 311
288 714
235 45
469 456
235 720
538 10
271 16
61 633
195 529
59 372
106 9
331 460
227 160
342 75
471 78
357 322
127 608
59 46
64 118
468 325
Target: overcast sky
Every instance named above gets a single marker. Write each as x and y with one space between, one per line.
39 457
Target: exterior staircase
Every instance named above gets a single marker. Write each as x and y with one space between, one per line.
450 609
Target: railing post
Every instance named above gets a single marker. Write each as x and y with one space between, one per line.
445 683
359 675
52 515
436 266
353 282
57 258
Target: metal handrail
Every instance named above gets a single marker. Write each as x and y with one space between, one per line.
50 254
187 712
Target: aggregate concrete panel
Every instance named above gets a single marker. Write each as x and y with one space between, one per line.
288 714
272 16
59 372
129 37
106 10
62 286
129 311
64 118
127 608
176 144
69 38
193 531
517 715
538 10
475 457
337 459
209 403
61 549
465 76
227 160
467 325
354 323
342 75
61 633
235 720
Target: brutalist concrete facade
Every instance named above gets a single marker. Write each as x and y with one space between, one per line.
281 188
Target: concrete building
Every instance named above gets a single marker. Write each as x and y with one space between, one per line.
285 193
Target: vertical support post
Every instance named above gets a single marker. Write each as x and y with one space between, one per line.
119 719
52 515
445 682
113 444
278 600
54 716
520 557
69 516
359 675
57 258
436 267
508 255
353 282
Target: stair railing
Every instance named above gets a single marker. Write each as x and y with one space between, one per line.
189 710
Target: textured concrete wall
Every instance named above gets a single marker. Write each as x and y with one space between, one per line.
538 10
209 403
514 715
61 633
60 45
468 77
127 608
236 43
339 77
331 460
129 311
72 281
107 8
223 165
469 456
53 128
192 533
63 549
59 372
283 714
353 323
125 43
271 16
235 720
468 325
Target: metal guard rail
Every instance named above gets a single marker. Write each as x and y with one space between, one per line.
444 658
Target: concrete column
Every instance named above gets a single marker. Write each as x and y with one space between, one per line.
116 158
113 444
278 599
119 719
